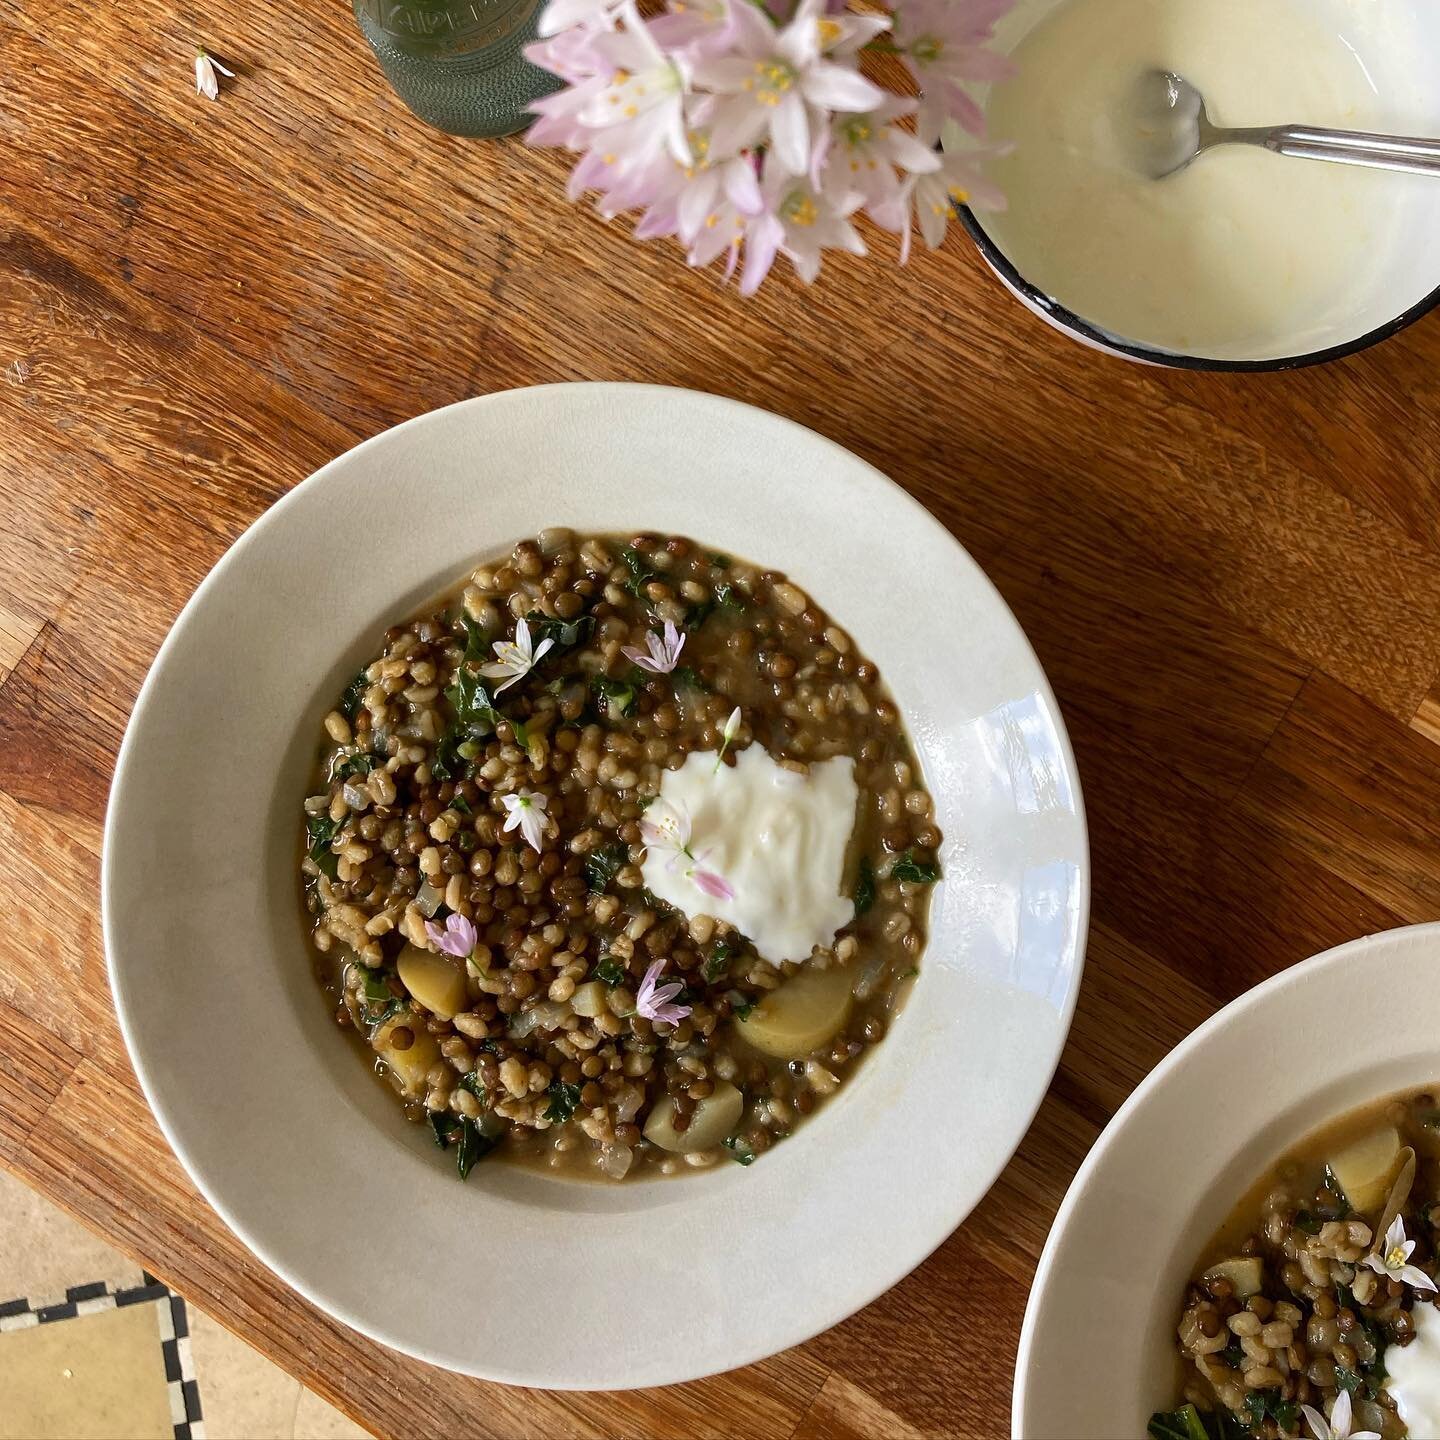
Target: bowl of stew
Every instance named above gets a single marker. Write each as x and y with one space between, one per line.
1254 1242
614 859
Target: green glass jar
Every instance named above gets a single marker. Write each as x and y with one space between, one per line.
457 63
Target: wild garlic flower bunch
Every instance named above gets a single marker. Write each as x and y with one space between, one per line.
748 129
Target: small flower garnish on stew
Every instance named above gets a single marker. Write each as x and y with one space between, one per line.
456 937
732 727
661 653
665 827
1392 1258
515 659
526 811
1338 1425
654 1001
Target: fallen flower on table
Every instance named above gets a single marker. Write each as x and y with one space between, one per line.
207 75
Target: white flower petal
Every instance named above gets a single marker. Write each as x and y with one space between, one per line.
207 83
1415 1277
742 187
1340 1416
907 152
836 88
790 134
725 77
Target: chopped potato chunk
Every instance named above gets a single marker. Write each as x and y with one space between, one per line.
1364 1168
802 1014
1246 1274
436 981
713 1120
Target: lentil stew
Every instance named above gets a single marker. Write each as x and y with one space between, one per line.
1309 1288
485 797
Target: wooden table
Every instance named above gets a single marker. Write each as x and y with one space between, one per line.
1233 582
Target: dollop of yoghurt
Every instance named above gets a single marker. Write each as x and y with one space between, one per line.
775 836
1414 1374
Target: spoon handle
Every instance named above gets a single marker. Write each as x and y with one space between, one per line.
1355 147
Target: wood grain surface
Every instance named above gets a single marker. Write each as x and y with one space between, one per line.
1234 583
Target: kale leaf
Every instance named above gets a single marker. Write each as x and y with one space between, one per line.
603 865
563 1100
915 872
864 887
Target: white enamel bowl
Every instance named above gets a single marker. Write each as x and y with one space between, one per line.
1406 284
517 1276
1097 1348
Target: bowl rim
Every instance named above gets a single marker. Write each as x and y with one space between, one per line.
908 1257
1096 1157
1082 329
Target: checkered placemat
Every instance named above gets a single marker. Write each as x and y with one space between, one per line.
174 1335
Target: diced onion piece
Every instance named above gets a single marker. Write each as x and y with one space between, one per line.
615 1160
428 900
589 999
547 1015
627 1107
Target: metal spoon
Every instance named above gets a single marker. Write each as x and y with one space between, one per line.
1173 128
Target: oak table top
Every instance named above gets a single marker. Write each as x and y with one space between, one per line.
1234 583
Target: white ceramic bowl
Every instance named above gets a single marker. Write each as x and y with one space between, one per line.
517 1276
1097 1349
1409 283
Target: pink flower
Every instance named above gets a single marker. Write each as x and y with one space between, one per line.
640 112
701 27
1337 1427
663 827
561 15
664 651
943 43
770 80
709 883
867 151
746 129
800 222
207 75
1391 1258
457 938
732 728
932 198
654 1003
